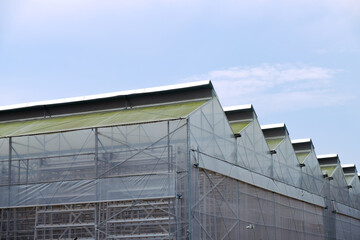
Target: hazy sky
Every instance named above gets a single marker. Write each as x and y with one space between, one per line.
296 61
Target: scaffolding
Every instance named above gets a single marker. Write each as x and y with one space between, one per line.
101 183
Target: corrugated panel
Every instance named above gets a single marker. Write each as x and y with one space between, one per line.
237 127
82 121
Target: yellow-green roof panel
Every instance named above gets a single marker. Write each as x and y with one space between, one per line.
302 156
349 179
272 143
89 120
328 169
238 126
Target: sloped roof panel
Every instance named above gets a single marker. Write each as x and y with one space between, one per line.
102 119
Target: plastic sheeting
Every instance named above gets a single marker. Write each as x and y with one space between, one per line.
230 209
226 208
128 162
70 180
154 181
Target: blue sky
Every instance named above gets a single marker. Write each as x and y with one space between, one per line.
296 61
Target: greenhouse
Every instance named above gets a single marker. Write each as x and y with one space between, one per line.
166 163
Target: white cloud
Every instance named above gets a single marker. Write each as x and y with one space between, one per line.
283 87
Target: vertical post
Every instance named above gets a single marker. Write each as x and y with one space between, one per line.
169 177
189 168
27 172
8 224
272 166
274 214
15 222
96 185
96 159
18 171
1 222
168 147
9 188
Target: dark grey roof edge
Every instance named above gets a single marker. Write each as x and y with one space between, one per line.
305 144
199 84
275 130
240 113
349 168
117 100
327 159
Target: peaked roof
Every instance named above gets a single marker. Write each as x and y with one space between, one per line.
119 108
350 172
328 163
240 116
302 148
274 134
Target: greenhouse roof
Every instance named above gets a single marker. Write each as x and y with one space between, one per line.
99 119
241 113
350 172
302 148
110 95
239 108
274 130
300 145
196 91
328 163
304 140
351 165
324 156
271 126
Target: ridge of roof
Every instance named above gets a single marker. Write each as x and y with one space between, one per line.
347 165
270 126
303 140
107 95
238 107
332 155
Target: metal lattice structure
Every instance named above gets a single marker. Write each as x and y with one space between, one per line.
166 163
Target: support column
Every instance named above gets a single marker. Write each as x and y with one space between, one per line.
96 210
189 169
9 188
